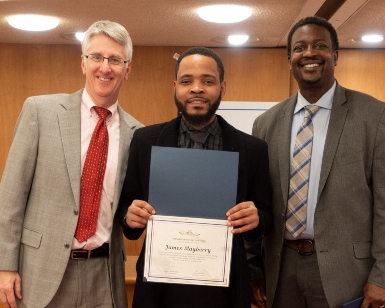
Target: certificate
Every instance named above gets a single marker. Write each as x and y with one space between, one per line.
188 251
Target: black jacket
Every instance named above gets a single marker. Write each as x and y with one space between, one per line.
253 185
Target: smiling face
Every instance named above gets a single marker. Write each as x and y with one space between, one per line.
312 59
198 90
103 81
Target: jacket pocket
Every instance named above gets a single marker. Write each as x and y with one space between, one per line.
362 250
350 158
31 238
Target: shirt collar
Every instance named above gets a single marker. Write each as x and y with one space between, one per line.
326 101
213 128
88 104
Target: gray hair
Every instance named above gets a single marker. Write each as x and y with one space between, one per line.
114 31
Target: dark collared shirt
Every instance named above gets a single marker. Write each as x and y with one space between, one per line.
213 141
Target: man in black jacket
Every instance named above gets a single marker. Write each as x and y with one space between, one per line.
199 87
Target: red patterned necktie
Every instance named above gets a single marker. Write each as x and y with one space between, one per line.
91 184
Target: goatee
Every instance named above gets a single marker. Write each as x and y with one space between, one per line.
197 119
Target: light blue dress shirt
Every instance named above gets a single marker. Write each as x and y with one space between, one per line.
320 128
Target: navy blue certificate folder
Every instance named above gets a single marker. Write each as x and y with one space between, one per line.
193 183
356 303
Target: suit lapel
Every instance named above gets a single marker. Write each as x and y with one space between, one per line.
336 125
168 137
231 139
69 125
284 141
70 130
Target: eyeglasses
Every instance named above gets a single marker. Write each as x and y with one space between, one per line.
111 60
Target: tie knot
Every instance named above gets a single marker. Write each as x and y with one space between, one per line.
311 110
199 138
102 112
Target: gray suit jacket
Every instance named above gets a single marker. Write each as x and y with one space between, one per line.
39 197
349 222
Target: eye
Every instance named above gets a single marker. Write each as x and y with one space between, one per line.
114 61
184 82
209 82
320 46
96 57
298 48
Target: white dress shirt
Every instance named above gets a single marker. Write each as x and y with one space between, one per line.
320 128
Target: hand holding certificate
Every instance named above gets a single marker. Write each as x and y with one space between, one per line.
188 250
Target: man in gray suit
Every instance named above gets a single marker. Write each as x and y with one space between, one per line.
339 254
42 262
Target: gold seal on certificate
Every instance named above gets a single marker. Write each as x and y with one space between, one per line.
188 251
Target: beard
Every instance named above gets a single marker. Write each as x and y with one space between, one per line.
197 119
311 81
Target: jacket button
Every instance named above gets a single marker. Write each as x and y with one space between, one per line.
67 245
76 212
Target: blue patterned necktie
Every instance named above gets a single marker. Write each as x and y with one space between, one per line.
299 177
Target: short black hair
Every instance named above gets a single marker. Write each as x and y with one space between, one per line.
316 21
204 52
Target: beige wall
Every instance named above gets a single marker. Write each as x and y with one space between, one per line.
251 74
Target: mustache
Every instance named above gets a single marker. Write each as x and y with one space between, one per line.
314 58
196 96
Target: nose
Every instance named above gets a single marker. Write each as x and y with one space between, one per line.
196 88
310 51
105 65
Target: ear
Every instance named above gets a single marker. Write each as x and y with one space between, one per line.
83 64
223 87
128 71
335 57
289 59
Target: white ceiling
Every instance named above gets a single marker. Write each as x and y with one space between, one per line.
175 22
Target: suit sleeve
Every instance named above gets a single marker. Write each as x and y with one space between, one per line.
377 274
260 189
260 194
257 131
253 247
132 188
16 184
